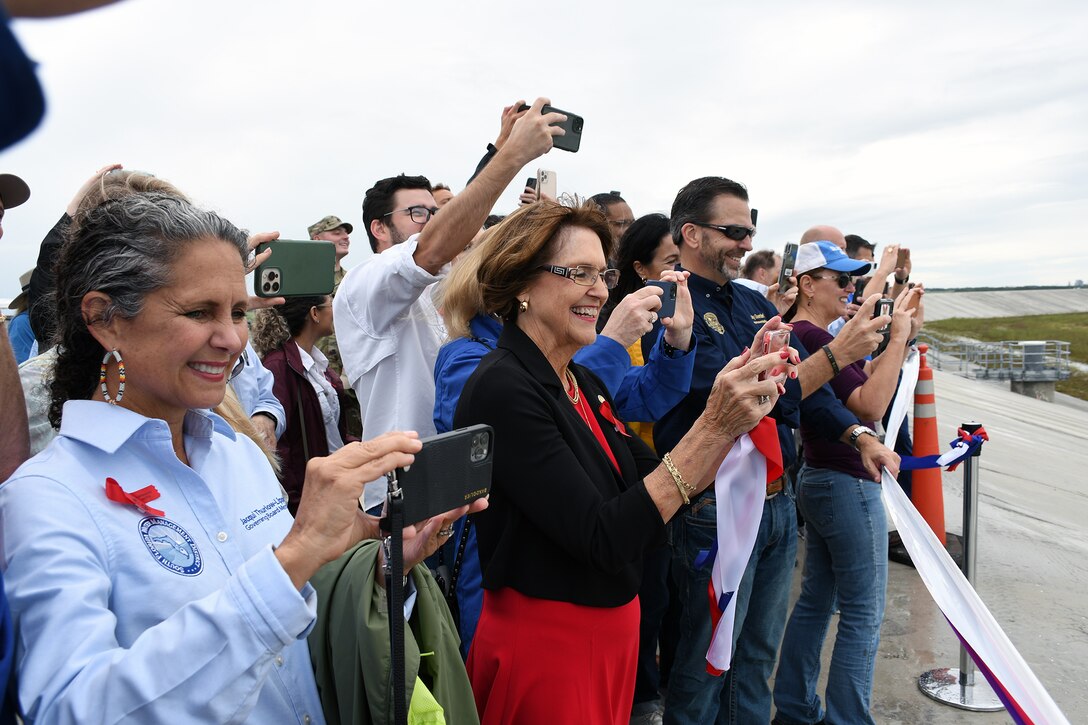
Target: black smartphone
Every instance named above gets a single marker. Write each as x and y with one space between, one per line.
571 140
531 182
789 262
883 306
297 268
452 470
668 297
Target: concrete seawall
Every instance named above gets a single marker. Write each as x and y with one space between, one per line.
1005 303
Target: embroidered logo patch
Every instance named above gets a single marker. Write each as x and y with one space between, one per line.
711 321
171 546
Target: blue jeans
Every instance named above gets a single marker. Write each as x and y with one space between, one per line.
742 695
846 561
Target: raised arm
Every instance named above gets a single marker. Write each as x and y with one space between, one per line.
452 230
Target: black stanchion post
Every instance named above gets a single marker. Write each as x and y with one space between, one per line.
958 688
394 592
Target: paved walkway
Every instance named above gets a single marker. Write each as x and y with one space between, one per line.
1032 556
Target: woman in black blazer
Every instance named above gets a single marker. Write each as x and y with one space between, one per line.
576 498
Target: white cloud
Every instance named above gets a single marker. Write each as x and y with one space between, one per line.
955 129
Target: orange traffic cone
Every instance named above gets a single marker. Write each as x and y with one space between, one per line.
927 493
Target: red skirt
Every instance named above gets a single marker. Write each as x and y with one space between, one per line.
539 661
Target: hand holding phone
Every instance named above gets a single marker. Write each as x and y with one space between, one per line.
571 140
668 297
297 268
774 341
452 470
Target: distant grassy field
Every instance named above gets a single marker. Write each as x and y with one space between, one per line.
1071 327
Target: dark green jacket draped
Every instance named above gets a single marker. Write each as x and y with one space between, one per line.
349 644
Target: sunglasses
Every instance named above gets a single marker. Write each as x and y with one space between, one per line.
843 279
736 232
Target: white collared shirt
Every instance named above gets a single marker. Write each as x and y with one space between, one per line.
389 332
752 284
124 614
315 364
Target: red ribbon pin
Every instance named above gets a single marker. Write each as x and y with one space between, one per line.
607 414
139 499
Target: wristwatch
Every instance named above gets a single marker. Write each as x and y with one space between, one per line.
858 433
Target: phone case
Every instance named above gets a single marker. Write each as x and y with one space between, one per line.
546 183
572 138
789 262
452 470
297 268
668 297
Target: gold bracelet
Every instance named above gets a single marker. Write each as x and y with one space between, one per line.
681 484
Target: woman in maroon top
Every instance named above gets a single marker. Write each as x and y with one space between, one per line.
310 391
576 499
846 532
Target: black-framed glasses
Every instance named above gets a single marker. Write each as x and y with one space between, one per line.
585 274
736 232
419 214
842 279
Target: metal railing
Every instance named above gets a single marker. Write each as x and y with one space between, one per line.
1023 360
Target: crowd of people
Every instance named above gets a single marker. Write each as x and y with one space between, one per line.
194 475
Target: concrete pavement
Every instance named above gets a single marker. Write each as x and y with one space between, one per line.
1032 556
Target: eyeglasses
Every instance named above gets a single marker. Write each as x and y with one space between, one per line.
736 232
843 279
419 214
585 274
621 223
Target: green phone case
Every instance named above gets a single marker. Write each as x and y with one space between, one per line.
297 268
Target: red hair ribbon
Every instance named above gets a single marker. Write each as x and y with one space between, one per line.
139 499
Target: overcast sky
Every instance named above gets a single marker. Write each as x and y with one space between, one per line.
958 129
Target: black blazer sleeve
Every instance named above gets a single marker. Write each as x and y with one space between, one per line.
562 523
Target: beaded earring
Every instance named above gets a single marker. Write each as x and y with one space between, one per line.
120 375
523 305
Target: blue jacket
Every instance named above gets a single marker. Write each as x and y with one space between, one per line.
641 393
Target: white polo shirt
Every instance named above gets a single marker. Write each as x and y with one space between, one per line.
389 332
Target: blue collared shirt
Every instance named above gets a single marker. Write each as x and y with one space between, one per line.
253 386
126 615
727 317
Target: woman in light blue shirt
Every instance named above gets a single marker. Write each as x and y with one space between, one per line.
152 568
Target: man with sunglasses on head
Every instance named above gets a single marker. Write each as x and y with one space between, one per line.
387 323
712 224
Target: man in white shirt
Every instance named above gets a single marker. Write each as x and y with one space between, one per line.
760 270
387 324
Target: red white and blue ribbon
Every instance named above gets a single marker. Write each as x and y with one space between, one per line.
958 450
740 490
1023 695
